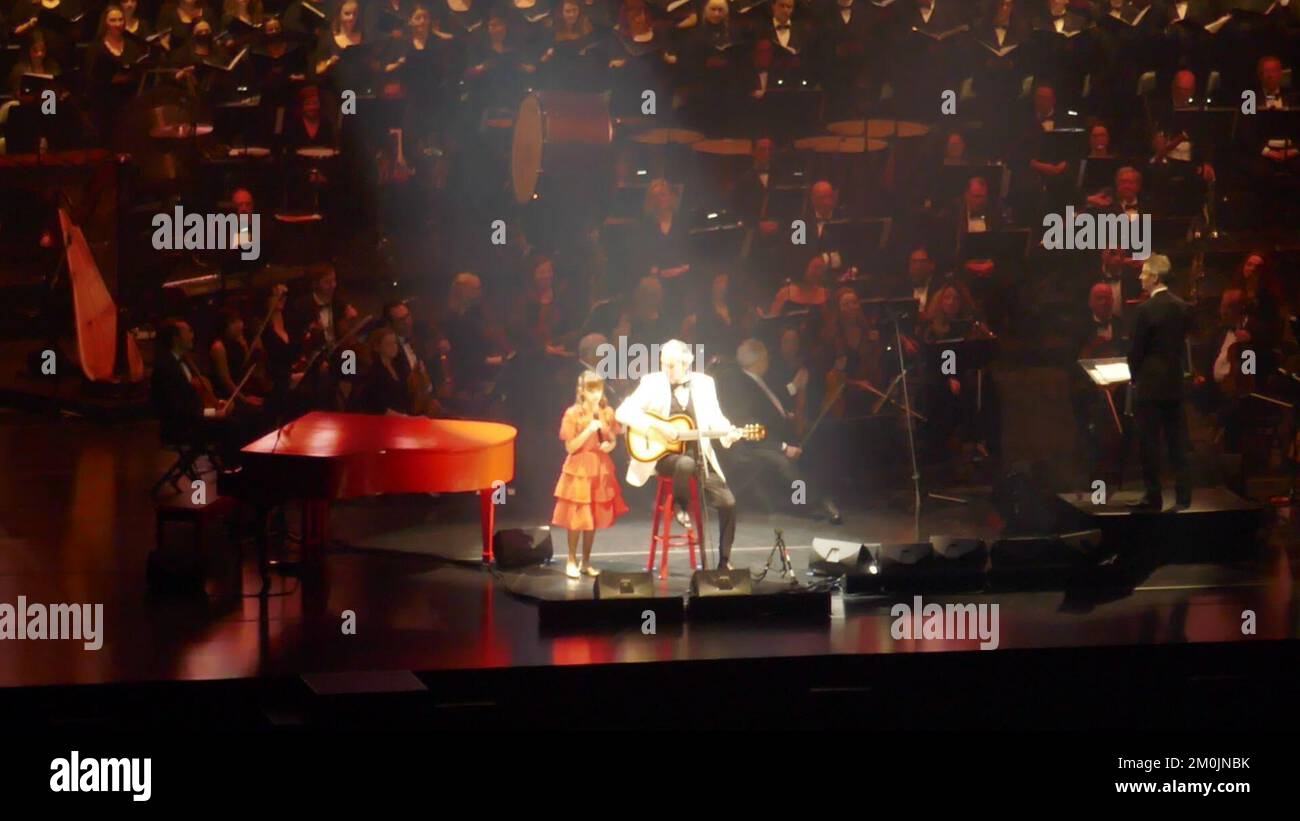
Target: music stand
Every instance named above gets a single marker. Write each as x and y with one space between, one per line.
1106 373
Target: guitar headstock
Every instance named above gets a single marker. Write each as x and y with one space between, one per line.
753 432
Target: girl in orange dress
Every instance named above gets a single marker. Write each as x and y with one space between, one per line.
587 496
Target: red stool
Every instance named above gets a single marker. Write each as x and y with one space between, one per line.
664 514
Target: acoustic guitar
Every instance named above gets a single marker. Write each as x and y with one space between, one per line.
651 446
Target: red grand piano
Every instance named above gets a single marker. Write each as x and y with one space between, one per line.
325 456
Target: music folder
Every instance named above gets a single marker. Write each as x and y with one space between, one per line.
954 177
1063 144
1097 173
973 352
34 85
995 245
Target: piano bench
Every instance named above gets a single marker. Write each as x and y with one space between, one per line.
195 550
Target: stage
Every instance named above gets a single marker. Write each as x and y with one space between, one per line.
78 526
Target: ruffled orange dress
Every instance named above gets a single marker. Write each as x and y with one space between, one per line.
587 495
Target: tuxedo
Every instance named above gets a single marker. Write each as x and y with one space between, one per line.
654 394
174 398
753 399
792 60
1063 57
1155 362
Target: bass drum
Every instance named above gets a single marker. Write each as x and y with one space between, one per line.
561 143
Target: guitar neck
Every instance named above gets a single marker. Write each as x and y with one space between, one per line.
694 435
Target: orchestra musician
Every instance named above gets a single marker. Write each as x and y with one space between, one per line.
1100 334
381 389
1224 383
419 364
317 320
231 355
189 411
675 389
958 408
1155 362
775 460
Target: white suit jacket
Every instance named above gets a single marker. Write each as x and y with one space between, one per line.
654 393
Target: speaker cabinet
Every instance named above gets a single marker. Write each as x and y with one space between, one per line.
722 583
614 585
521 548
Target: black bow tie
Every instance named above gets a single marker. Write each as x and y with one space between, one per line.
782 26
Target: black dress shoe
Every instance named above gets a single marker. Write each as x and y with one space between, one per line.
1183 502
683 518
1147 503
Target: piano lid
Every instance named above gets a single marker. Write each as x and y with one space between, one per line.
343 455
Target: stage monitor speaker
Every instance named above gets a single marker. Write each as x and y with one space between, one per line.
722 583
904 553
521 548
863 577
954 547
1036 561
836 550
907 566
729 595
615 585
835 557
960 563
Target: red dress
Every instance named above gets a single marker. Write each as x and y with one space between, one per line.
587 495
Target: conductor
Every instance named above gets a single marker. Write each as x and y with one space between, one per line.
1155 362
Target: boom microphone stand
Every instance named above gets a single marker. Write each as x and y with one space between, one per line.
895 316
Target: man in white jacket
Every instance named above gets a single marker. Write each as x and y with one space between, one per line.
671 390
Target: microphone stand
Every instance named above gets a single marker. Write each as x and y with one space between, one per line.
894 317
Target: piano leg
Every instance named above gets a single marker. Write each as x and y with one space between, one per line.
315 530
487 521
263 558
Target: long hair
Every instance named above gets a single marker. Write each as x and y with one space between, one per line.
934 307
648 206
337 25
581 29
102 31
586 380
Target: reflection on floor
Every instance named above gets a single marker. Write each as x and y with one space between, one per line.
76 526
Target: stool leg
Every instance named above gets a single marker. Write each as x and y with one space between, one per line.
666 542
654 527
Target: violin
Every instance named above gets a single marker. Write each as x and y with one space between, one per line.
202 385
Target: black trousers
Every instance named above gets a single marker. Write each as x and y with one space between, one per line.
775 474
1167 418
714 490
